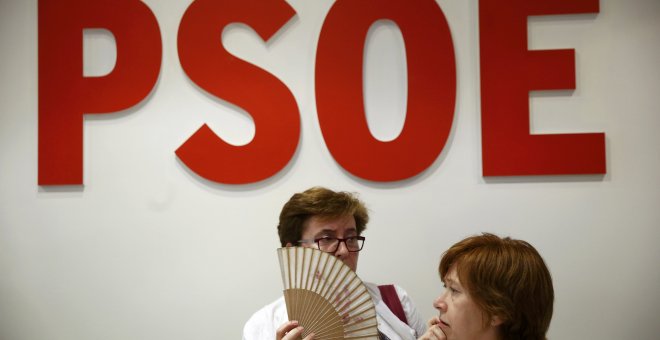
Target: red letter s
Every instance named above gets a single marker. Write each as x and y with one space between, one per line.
266 98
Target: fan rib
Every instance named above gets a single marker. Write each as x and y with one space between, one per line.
308 304
347 294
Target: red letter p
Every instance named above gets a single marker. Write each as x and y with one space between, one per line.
65 95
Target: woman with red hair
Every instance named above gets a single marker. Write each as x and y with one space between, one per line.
495 288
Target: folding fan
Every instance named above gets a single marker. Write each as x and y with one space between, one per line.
325 296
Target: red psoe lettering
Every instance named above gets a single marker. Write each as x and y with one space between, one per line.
64 94
508 72
269 102
431 87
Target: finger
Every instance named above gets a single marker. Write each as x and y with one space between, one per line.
285 328
428 336
433 321
309 337
294 334
438 333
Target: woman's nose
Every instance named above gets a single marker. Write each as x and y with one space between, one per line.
439 303
342 250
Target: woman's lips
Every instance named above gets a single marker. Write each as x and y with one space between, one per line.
443 324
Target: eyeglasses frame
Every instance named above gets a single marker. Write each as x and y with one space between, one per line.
340 240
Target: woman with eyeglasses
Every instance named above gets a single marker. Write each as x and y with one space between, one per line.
333 222
495 288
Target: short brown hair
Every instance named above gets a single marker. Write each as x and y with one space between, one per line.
505 278
322 202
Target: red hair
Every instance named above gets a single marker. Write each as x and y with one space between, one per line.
505 278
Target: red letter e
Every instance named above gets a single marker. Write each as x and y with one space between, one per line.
508 72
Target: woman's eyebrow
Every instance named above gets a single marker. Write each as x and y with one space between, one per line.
458 284
333 232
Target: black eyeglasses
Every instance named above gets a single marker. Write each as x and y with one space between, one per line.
331 244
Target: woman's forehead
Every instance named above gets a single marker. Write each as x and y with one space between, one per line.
452 275
346 221
317 224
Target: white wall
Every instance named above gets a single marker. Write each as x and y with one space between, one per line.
149 250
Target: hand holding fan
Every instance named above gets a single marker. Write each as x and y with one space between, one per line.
325 296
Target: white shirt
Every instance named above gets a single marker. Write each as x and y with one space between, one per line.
263 324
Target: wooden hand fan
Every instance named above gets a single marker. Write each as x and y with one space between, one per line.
325 296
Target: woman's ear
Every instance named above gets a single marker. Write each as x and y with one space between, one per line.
495 321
